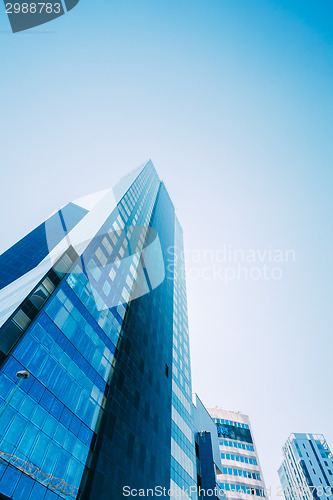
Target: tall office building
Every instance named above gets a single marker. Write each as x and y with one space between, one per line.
241 476
307 469
93 306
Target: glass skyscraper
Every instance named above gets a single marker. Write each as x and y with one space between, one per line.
93 306
306 472
240 476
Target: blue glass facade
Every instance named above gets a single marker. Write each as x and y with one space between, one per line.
104 336
136 420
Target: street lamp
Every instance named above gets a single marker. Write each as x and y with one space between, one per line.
21 375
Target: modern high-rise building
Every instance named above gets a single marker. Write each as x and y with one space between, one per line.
307 469
93 307
241 475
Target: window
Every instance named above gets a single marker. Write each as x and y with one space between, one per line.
39 296
48 285
21 319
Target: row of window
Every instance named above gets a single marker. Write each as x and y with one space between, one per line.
179 476
181 379
182 441
236 444
181 424
180 395
239 488
180 456
241 473
239 458
230 422
180 371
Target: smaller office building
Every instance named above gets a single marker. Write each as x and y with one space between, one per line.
240 473
307 469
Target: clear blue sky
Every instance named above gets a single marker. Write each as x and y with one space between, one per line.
232 100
